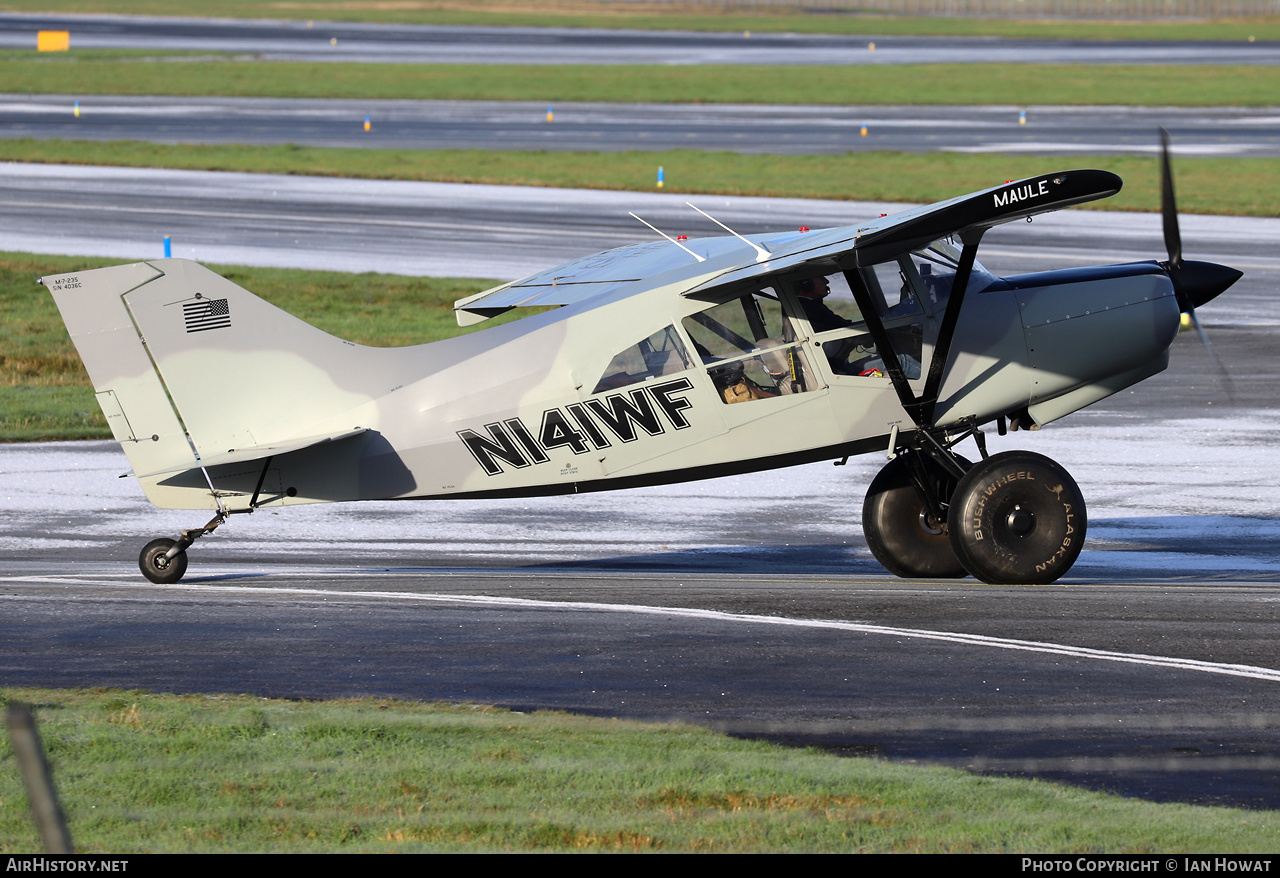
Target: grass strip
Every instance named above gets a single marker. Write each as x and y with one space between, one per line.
45 392
671 15
140 773
107 73
1236 186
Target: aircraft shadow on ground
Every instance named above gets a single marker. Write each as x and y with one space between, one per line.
1175 547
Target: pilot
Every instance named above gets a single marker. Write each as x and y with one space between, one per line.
812 290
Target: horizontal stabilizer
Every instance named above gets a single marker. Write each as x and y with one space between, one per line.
261 452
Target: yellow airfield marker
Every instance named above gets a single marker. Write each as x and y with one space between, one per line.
53 41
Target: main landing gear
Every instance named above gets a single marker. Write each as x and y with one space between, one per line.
164 561
1013 517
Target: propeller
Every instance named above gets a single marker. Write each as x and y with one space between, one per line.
1194 283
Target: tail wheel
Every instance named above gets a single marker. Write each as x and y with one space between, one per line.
157 567
1017 517
903 533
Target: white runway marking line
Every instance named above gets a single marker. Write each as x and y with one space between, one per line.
1248 671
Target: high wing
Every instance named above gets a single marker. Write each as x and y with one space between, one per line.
975 213
724 261
897 233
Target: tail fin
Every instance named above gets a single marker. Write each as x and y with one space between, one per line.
192 370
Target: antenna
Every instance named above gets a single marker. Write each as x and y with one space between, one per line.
672 240
761 253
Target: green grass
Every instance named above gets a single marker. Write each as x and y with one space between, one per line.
107 73
1240 186
45 392
664 16
139 772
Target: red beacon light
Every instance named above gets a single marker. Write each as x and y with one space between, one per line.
682 237
804 228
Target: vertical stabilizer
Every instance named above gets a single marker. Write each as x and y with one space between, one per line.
128 388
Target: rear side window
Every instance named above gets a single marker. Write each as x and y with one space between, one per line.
749 348
660 354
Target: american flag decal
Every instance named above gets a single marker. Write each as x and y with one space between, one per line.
205 314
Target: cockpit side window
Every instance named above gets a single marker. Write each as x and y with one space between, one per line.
838 305
662 353
839 328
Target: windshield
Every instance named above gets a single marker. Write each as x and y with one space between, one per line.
936 267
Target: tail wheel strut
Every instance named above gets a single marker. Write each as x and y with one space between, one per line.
164 561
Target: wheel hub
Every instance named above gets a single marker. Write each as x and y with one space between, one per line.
930 524
1020 521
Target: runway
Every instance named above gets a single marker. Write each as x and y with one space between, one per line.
419 44
588 127
750 604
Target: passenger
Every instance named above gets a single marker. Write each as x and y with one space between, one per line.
734 385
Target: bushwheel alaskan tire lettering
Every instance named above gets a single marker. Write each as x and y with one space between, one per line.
898 529
157 568
1017 517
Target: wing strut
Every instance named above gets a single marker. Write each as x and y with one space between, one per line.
921 407
922 413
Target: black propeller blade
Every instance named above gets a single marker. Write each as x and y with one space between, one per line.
1194 283
1169 205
